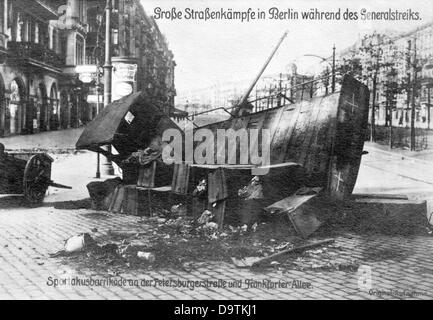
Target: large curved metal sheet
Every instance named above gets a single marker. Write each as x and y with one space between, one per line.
325 135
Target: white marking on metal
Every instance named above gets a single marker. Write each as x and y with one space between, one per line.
352 104
338 180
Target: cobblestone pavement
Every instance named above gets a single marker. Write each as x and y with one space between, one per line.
28 236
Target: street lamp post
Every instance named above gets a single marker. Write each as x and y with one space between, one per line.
332 65
333 68
428 105
108 167
107 66
97 56
98 107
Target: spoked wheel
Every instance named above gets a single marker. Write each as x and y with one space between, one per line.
37 174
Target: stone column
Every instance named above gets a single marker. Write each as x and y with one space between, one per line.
50 37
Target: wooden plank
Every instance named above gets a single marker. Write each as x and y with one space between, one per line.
254 261
148 175
226 166
218 210
305 222
113 198
289 204
217 185
131 199
180 178
198 206
124 200
162 189
244 167
379 196
118 201
140 177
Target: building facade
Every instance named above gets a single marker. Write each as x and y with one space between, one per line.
141 58
410 54
43 44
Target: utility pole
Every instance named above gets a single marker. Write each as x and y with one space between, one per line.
108 167
428 106
280 87
373 110
389 105
98 87
376 66
98 107
327 80
414 85
333 69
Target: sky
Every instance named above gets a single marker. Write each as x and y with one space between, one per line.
212 52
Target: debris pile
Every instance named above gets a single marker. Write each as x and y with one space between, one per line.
184 243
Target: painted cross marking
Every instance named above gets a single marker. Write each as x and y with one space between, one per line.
352 104
338 180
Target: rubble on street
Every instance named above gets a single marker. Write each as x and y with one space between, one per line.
181 242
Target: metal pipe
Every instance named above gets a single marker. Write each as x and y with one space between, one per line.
108 167
413 107
98 87
251 87
333 69
107 66
428 106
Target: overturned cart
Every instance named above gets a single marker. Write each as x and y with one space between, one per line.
27 174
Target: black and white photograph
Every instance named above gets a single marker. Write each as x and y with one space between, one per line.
216 150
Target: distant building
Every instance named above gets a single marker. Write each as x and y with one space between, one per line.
264 95
399 48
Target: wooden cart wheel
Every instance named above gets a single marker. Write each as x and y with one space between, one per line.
37 174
